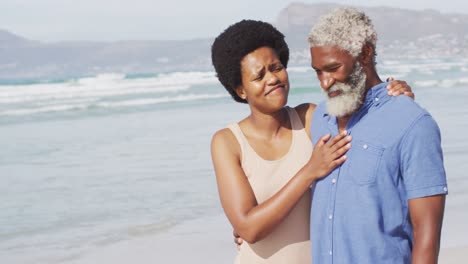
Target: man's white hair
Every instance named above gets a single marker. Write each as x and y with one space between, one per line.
347 28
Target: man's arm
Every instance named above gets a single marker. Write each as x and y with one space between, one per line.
425 182
426 216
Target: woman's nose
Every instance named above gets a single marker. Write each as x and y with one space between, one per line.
272 78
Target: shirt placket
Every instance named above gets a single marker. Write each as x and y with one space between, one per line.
331 210
333 181
335 176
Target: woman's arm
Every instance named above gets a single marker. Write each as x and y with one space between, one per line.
253 221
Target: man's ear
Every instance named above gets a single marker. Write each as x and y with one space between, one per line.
367 55
241 92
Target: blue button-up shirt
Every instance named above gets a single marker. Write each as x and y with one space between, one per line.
360 210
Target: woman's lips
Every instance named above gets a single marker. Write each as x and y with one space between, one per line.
276 89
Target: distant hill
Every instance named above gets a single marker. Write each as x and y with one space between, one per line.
24 59
8 39
296 20
402 34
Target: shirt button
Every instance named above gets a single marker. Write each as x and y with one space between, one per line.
333 181
445 189
330 217
330 252
376 99
365 146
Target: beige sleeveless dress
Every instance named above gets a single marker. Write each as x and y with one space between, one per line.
289 241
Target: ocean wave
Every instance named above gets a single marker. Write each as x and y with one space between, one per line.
80 106
75 93
102 78
166 99
103 86
446 83
425 67
111 82
299 69
40 110
187 77
396 76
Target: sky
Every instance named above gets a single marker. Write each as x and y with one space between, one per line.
113 20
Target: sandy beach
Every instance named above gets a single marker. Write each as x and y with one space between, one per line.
205 241
453 255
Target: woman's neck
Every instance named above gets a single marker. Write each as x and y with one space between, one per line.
269 125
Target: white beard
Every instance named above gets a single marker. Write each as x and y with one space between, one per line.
352 94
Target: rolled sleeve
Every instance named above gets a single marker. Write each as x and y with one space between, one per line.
422 165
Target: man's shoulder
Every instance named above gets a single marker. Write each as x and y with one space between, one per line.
403 114
405 107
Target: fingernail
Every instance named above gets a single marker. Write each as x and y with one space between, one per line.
345 132
349 137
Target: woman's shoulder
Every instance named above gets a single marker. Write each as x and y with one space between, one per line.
305 112
225 146
225 138
304 108
223 135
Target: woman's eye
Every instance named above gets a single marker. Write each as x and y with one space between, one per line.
279 67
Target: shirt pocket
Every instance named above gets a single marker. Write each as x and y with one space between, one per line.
364 162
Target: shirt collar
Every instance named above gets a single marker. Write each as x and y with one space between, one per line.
376 96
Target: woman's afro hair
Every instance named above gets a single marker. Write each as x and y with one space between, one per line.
238 40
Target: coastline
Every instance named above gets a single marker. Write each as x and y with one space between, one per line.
453 255
206 240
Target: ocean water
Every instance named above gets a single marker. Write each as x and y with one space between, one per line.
89 162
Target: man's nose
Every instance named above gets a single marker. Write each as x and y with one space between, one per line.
327 82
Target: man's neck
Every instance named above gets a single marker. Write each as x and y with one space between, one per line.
372 78
342 122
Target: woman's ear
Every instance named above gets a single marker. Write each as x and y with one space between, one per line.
241 92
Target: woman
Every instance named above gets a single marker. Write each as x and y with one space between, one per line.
264 164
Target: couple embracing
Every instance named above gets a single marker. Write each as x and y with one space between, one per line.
358 178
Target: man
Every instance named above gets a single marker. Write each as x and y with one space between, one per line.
385 204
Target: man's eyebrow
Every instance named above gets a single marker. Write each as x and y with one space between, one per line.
328 66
